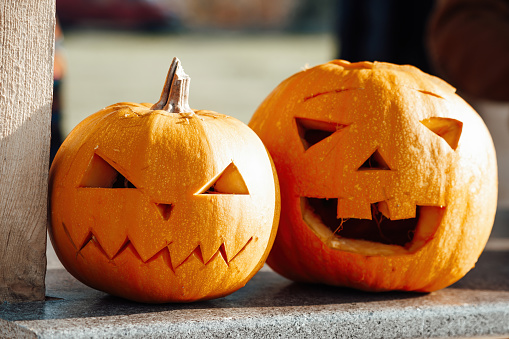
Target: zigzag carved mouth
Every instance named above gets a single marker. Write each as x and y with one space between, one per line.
405 235
91 240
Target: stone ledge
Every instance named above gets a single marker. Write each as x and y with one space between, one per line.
269 305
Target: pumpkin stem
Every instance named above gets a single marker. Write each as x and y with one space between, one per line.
175 95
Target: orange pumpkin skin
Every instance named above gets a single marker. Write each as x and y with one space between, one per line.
358 141
169 238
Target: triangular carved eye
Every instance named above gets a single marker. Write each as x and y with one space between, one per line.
374 162
101 174
312 132
448 129
230 181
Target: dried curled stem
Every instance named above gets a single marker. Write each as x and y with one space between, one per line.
175 95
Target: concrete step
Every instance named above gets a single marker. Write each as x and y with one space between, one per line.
272 306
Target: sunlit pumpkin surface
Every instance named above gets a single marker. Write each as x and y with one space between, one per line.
388 178
156 206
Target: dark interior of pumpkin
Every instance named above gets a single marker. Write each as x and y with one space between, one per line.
122 182
101 174
312 132
379 229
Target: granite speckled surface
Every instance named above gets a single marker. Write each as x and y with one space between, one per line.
272 306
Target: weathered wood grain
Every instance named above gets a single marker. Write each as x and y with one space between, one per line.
26 88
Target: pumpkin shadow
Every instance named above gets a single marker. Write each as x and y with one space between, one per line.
491 273
268 289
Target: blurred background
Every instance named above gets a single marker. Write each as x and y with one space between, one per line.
236 52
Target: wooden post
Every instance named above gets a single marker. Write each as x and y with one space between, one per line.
26 88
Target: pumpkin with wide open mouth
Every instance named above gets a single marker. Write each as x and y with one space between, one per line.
388 178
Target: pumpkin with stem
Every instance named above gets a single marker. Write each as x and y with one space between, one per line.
388 178
160 203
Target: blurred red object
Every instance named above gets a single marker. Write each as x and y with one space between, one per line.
124 14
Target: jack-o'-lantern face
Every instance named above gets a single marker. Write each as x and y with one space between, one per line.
381 189
157 206
370 162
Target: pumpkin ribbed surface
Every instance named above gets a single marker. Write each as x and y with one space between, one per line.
157 206
388 178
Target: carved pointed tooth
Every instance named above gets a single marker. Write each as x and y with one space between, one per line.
179 253
164 256
210 248
357 207
384 209
222 253
112 237
91 241
107 215
198 254
92 252
233 251
149 241
85 242
125 245
68 235
401 209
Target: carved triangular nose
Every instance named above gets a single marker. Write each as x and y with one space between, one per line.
165 210
374 162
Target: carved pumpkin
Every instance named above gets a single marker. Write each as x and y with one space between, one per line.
159 203
388 178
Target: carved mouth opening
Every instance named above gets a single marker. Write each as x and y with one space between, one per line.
370 236
379 229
